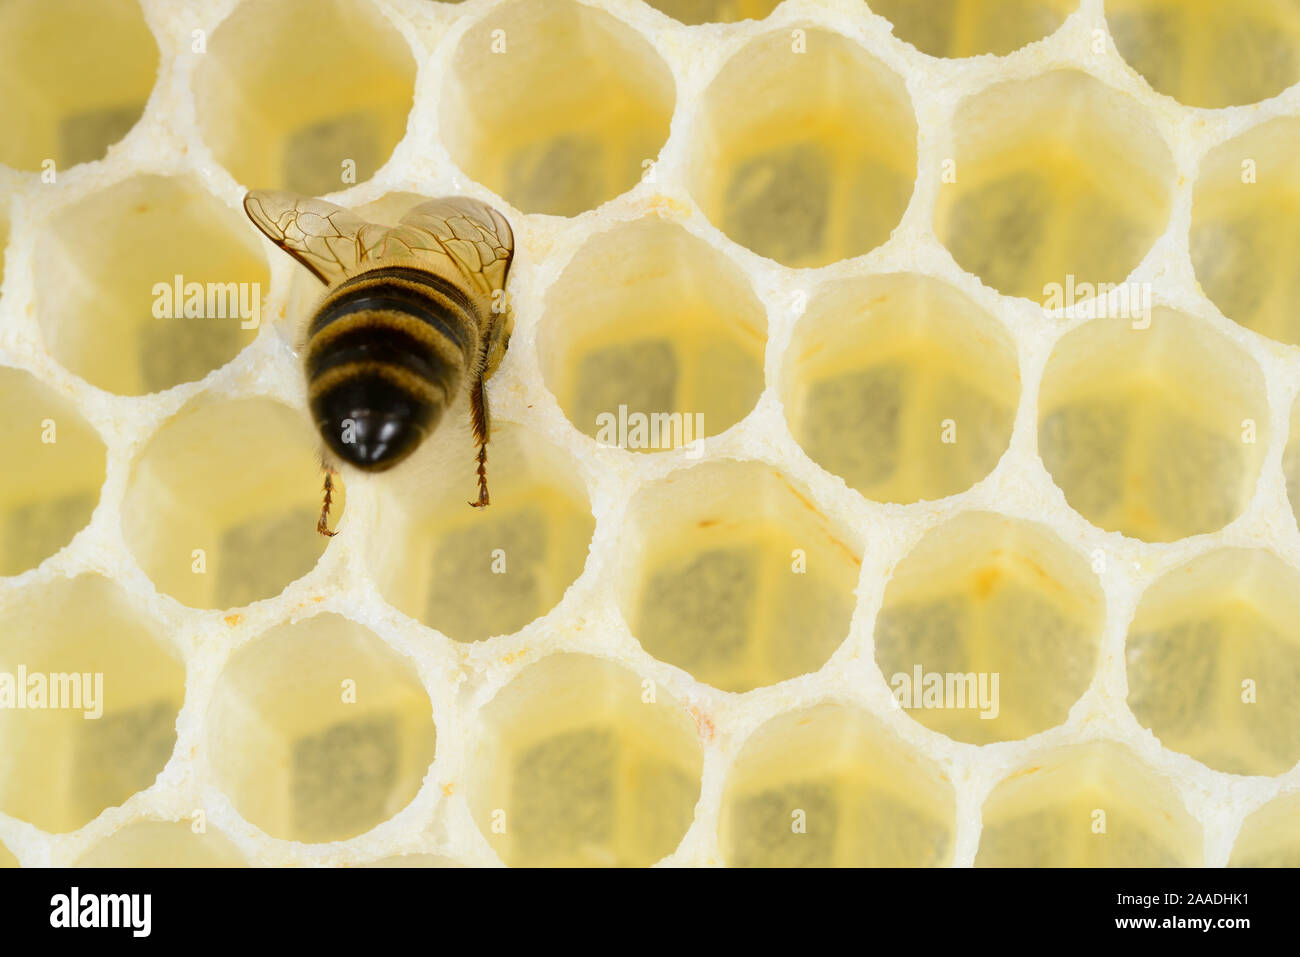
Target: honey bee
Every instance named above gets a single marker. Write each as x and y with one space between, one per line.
412 313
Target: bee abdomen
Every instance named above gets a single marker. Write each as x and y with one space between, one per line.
386 354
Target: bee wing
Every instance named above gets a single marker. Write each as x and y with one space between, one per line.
327 239
454 230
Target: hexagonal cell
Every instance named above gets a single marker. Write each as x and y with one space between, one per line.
1207 53
961 28
1093 805
89 694
475 573
805 150
901 386
695 12
58 467
555 105
830 787
1245 234
990 629
162 844
1214 661
728 571
319 731
312 123
650 326
71 115
1156 431
1056 181
580 763
1271 836
147 284
221 505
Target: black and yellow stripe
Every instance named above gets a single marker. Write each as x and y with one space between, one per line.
386 353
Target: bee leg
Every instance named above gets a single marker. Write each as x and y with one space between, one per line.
478 411
323 523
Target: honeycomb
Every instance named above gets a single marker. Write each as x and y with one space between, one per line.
974 327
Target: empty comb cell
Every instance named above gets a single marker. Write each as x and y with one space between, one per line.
304 122
1092 805
1246 229
827 787
989 629
319 731
902 387
55 117
574 765
1052 180
805 151
1152 428
1214 658
652 340
100 691
175 294
556 106
742 582
1209 54
216 537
